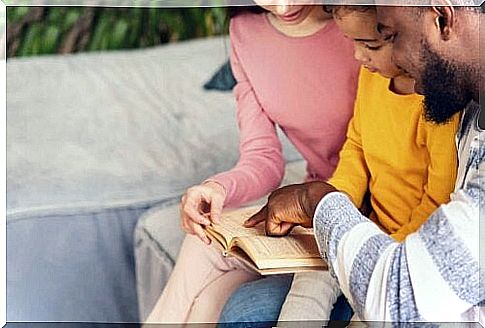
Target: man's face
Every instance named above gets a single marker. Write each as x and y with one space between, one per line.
396 24
420 51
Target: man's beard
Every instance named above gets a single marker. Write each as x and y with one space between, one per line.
444 87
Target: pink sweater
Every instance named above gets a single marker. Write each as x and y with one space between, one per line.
306 85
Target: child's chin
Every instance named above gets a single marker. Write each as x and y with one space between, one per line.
389 75
372 69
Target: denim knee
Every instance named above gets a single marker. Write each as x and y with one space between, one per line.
257 303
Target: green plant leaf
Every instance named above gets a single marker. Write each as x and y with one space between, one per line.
119 34
50 40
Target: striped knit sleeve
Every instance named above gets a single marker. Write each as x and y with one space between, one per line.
432 276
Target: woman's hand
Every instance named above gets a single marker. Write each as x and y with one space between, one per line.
200 206
290 206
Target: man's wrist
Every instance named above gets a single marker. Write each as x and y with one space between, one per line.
314 192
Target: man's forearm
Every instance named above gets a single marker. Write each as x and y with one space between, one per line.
411 281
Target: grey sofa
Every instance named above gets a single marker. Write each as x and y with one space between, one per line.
94 142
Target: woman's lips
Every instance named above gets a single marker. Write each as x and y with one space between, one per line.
292 16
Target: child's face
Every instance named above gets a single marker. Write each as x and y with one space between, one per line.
369 48
285 11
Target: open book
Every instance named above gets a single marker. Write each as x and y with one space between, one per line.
267 255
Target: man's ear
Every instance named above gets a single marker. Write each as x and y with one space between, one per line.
445 18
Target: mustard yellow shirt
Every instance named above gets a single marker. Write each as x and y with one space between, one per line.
406 163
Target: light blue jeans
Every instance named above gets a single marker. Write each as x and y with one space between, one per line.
257 304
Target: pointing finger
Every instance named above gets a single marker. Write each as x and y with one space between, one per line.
257 218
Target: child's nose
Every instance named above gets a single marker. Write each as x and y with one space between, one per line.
361 55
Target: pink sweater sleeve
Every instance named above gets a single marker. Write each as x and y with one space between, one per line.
260 167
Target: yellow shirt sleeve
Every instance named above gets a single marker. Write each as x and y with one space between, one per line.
352 174
440 142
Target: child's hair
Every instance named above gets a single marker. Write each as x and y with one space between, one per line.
338 10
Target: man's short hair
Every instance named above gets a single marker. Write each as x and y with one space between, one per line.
458 3
477 5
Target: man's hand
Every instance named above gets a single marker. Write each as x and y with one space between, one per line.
290 206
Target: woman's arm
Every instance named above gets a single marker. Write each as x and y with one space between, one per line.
260 168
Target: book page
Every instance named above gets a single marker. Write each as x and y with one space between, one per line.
270 267
219 239
231 224
296 251
293 246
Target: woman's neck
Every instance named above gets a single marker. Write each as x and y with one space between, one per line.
315 21
402 85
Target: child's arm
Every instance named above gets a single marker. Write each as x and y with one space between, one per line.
440 141
352 174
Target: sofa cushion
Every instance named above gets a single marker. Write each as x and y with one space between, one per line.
96 130
222 80
77 267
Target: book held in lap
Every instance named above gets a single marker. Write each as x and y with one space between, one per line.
267 255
